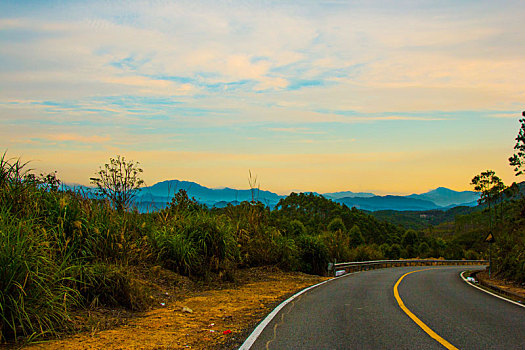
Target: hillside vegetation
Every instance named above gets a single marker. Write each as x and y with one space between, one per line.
506 221
420 220
62 250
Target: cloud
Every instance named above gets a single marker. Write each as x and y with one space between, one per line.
512 115
205 75
77 138
296 130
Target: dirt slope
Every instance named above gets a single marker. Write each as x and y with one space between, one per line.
212 315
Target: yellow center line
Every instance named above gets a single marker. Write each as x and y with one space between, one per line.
414 318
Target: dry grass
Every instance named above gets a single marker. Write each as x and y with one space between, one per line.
234 307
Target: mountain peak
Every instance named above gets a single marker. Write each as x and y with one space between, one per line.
446 197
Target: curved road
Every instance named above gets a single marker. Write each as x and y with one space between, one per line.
359 311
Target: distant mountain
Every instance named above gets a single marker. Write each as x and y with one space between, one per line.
445 197
158 195
343 194
387 202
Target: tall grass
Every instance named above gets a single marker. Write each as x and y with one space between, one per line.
34 296
196 244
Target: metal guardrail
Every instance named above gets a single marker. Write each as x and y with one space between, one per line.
338 268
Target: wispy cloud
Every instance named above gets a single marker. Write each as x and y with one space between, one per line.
77 138
513 115
297 130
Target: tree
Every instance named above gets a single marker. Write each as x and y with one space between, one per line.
490 186
423 250
410 238
296 228
336 225
119 181
356 237
395 251
181 202
518 159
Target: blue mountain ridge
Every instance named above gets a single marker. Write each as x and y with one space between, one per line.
445 197
158 195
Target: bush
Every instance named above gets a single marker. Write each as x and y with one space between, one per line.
313 255
286 254
366 253
175 251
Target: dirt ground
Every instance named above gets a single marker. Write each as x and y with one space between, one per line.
190 319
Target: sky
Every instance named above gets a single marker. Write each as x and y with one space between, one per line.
390 97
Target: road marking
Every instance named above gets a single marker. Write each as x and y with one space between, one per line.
488 292
414 318
281 322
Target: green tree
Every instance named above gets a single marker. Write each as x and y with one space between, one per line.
356 237
423 250
518 159
385 250
491 188
409 242
181 203
409 238
336 225
296 228
395 251
119 181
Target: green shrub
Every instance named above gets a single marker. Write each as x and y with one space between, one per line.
313 255
366 253
423 250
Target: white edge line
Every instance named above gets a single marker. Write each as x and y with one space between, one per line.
486 291
259 329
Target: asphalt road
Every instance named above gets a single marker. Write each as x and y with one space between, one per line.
359 311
